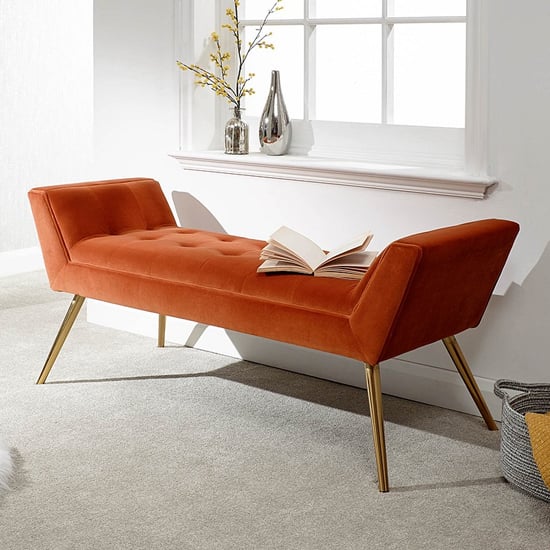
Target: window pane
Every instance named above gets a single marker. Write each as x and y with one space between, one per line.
257 9
419 8
347 81
348 8
288 58
429 74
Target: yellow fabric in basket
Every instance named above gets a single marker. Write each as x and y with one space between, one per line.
539 433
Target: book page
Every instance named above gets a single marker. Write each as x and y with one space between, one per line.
357 244
273 252
298 245
351 266
281 266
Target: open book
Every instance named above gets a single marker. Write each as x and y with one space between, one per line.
291 252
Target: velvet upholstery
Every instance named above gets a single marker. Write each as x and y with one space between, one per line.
117 241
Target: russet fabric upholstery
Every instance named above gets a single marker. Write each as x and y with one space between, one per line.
118 241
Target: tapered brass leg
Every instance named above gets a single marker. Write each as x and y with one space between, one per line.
374 388
162 331
464 370
64 330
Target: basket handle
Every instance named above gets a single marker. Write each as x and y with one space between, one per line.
518 386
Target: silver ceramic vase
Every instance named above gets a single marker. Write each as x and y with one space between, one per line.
275 131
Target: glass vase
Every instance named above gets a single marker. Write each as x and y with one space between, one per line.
236 134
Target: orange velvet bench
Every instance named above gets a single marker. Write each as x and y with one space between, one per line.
117 241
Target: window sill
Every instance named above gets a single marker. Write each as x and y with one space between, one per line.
339 172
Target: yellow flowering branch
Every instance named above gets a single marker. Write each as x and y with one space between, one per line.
218 83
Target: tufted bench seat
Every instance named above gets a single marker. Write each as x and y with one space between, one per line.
117 241
193 269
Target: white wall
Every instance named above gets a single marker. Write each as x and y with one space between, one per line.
46 75
136 87
510 342
136 120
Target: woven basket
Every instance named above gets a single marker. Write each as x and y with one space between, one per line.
516 457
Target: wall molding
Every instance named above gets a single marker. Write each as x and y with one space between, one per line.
338 172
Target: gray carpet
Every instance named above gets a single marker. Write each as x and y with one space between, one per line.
133 447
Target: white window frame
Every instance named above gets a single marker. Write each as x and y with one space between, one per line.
448 157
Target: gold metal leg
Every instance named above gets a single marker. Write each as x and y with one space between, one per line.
64 330
374 388
162 331
464 370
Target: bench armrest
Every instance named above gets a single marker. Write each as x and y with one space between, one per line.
430 286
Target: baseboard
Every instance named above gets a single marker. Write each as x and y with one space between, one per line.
20 261
428 384
437 386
